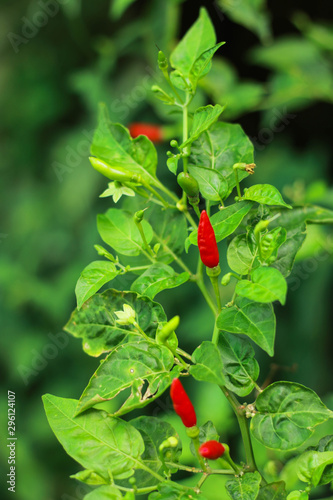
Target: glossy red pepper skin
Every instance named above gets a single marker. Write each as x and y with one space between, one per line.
182 403
153 132
209 253
211 450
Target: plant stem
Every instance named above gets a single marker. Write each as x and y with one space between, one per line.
174 90
144 240
196 470
202 287
237 183
183 353
196 444
155 193
138 327
242 422
176 258
202 480
190 219
216 332
215 282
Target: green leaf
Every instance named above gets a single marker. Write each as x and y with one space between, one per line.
92 278
118 229
293 222
170 230
239 254
271 242
143 367
326 444
311 465
208 365
244 487
113 144
212 185
287 415
99 442
255 320
225 221
154 431
173 491
203 119
96 323
267 284
179 81
252 14
89 477
298 495
104 493
157 278
200 37
240 368
312 214
202 64
266 194
223 145
273 491
172 164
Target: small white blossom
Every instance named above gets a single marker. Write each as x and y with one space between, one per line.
125 317
116 190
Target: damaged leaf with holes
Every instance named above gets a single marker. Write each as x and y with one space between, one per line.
143 367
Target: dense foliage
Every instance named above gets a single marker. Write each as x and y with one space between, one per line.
48 236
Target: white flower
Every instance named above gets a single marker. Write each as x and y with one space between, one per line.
125 317
116 190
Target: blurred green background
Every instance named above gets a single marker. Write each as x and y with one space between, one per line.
59 59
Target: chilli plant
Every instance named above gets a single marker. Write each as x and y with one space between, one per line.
156 237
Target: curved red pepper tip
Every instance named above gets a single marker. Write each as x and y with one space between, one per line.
211 450
182 403
209 252
153 132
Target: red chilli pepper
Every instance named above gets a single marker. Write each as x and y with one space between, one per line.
182 404
211 450
209 253
153 132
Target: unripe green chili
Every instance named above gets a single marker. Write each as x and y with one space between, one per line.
189 184
166 332
209 253
113 173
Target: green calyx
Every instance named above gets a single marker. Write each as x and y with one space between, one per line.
213 272
115 174
193 432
